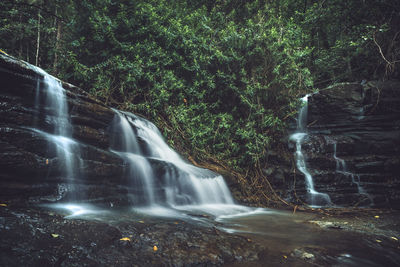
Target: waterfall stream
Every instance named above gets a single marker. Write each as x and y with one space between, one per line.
155 178
56 115
355 179
315 198
162 175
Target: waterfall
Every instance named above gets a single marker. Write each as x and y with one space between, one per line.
355 179
166 179
140 174
55 109
154 173
315 198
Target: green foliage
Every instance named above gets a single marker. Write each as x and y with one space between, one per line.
221 75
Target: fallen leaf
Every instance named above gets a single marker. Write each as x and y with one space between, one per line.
141 221
125 239
376 217
55 235
284 256
248 240
394 238
379 241
3 205
155 248
3 52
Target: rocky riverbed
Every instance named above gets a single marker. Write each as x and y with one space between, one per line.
33 236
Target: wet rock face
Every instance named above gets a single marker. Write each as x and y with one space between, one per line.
30 167
360 126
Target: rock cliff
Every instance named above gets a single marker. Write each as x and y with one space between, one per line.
352 148
30 168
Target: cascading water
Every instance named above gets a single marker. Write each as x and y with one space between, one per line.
56 115
140 174
208 186
159 170
355 179
157 178
315 198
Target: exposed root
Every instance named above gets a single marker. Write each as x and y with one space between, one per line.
377 101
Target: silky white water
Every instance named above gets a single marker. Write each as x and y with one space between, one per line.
315 198
175 182
140 174
54 110
355 179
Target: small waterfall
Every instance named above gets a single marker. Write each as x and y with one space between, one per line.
140 174
167 179
315 198
355 179
208 187
56 115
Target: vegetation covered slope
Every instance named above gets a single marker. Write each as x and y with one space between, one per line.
220 78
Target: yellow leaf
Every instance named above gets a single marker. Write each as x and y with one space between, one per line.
3 205
55 235
284 256
379 241
394 238
141 221
155 248
376 217
125 239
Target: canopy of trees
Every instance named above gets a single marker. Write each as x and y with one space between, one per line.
220 76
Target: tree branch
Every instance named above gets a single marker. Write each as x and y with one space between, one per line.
391 64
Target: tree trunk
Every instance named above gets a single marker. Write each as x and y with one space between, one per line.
21 38
57 46
38 40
